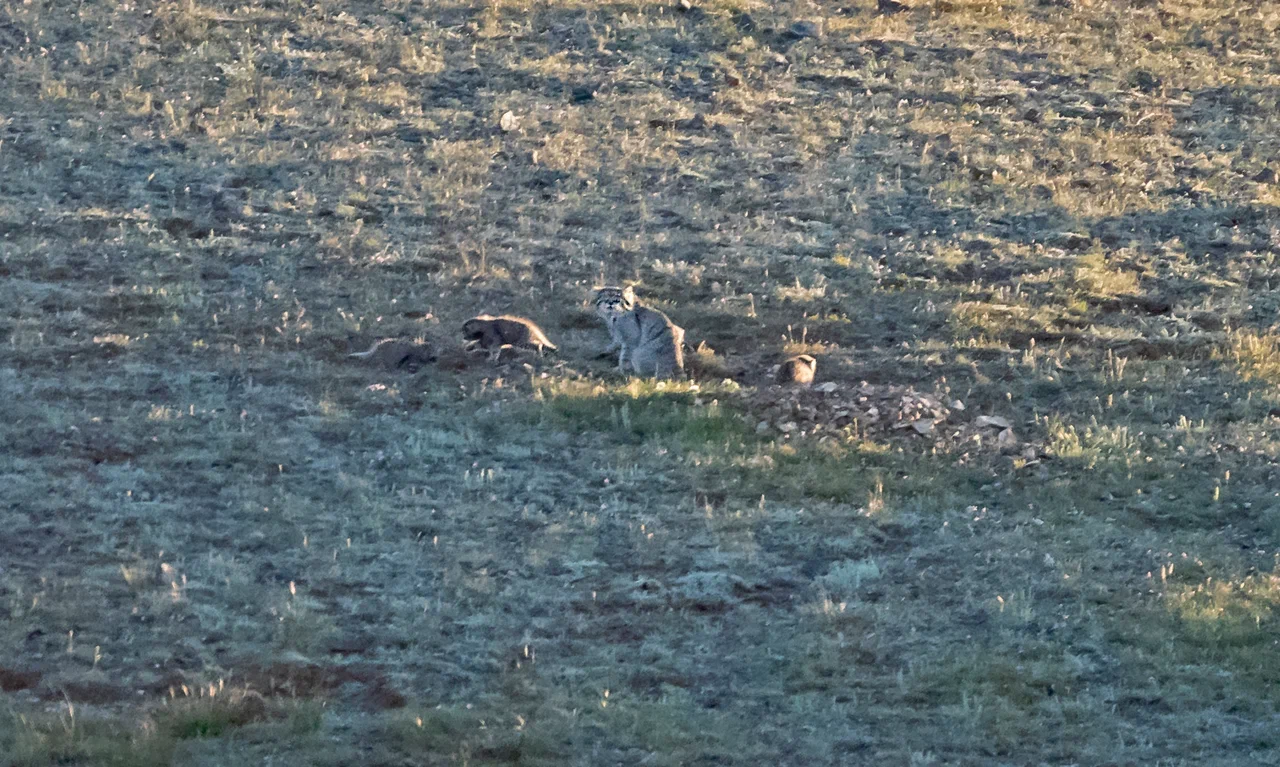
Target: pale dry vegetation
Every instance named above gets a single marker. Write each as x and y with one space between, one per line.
1045 530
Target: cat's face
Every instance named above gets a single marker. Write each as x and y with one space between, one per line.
612 302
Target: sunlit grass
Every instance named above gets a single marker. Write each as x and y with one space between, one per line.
1095 274
1256 355
1094 443
1228 613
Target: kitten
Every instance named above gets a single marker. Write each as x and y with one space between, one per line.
646 340
494 333
798 370
397 353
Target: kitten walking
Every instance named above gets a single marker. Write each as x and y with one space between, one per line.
396 354
494 333
647 341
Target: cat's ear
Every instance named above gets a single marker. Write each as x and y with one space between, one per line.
629 293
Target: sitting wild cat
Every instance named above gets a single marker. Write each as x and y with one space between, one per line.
646 340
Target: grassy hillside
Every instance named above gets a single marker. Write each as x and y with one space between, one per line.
1030 514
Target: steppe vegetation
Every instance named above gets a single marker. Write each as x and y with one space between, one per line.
1040 235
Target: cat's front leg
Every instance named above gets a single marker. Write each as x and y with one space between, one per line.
611 349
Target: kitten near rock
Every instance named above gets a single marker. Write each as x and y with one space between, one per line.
798 370
396 354
647 341
493 334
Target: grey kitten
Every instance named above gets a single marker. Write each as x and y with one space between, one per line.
396 353
493 333
646 340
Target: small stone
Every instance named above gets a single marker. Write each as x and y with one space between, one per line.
509 122
1069 240
697 122
763 427
1007 441
923 427
957 404
827 387
993 421
803 29
1144 80
351 644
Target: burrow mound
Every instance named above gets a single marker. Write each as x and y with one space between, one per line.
881 411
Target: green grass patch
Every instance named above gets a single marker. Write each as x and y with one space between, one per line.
641 411
71 737
670 730
873 476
